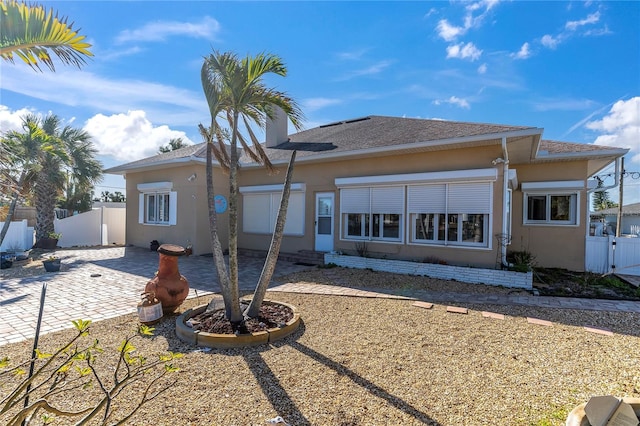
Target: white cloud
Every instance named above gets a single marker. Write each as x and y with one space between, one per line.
482 69
590 19
453 100
523 53
549 41
314 104
352 55
207 28
464 51
621 127
371 70
130 136
91 92
449 32
12 120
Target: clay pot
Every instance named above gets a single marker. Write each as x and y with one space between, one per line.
169 287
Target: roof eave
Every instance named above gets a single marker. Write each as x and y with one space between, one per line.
124 169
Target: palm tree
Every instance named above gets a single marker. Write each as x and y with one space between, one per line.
235 90
30 32
174 143
76 161
24 152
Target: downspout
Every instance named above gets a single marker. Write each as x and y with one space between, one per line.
505 199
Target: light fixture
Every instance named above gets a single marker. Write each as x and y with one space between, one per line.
192 177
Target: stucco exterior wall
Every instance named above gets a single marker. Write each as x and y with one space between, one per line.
554 246
320 177
192 213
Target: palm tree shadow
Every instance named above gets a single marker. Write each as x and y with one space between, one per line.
277 395
273 389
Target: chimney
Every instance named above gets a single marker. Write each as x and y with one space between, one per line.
276 129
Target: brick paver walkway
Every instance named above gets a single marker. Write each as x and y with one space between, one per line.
101 283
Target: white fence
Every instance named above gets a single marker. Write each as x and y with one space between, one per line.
20 237
602 255
102 226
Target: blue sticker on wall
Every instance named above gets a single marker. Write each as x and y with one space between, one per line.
220 202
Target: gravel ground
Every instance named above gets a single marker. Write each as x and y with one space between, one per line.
379 362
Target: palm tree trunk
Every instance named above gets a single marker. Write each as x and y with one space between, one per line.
12 208
234 288
274 249
218 256
45 206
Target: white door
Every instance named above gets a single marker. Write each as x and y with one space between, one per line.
324 221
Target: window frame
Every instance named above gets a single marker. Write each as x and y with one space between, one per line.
574 208
161 192
374 198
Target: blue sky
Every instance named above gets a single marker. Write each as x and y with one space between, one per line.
572 68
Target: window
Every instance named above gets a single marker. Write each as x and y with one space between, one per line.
555 209
260 206
157 204
372 213
450 213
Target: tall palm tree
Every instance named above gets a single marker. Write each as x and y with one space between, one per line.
31 33
77 160
235 91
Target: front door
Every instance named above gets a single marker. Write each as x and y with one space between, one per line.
324 221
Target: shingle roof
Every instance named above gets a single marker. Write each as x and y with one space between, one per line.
367 133
379 131
629 209
557 147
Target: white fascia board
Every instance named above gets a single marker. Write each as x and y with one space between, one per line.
553 185
124 169
271 188
155 186
513 179
471 175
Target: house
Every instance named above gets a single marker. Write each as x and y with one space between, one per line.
403 188
605 221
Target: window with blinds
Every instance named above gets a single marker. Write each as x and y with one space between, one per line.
450 213
260 211
374 213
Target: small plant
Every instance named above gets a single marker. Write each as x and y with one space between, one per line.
362 248
51 258
72 369
523 261
55 235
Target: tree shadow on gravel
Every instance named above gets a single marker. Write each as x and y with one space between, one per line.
357 379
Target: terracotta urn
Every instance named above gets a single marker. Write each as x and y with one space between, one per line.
169 287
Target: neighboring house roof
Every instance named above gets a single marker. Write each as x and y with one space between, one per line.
628 210
378 135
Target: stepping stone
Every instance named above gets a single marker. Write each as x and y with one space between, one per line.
492 315
425 305
602 331
539 322
457 310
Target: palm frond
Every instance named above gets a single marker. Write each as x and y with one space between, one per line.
30 33
264 158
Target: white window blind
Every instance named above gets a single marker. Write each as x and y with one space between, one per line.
354 200
426 198
295 213
469 198
255 212
387 200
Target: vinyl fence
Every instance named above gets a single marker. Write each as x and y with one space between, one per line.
610 254
20 237
99 227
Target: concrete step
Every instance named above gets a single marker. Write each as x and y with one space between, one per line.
305 257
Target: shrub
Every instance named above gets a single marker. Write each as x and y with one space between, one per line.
72 369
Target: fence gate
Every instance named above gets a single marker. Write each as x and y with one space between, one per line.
609 254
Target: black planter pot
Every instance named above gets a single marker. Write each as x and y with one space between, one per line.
51 265
46 243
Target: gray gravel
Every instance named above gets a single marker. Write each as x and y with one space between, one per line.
385 362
